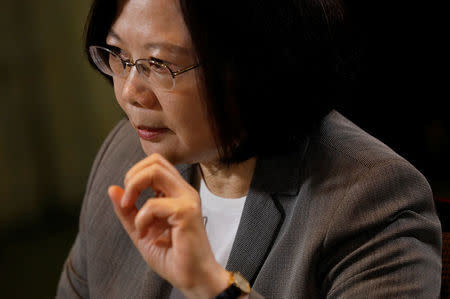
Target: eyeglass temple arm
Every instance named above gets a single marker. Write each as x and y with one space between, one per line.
176 73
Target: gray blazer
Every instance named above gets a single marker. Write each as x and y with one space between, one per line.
342 217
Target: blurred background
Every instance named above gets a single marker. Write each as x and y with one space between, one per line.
55 112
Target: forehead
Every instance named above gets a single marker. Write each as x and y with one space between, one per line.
140 22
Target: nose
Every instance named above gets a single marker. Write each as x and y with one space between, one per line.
137 92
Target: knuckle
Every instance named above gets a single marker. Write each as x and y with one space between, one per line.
154 170
155 157
156 167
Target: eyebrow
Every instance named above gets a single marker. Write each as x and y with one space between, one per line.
175 49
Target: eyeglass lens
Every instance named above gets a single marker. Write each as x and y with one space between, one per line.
111 64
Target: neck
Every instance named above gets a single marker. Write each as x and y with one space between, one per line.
228 182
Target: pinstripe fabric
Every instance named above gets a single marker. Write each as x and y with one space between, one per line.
343 216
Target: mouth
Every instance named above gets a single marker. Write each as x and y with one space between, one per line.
149 132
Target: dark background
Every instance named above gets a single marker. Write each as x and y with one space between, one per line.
55 112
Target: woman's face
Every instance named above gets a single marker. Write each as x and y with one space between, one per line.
173 123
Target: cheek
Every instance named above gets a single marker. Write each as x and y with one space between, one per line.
189 119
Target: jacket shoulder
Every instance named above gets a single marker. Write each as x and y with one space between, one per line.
342 139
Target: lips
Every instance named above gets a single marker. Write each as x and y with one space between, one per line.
150 133
150 128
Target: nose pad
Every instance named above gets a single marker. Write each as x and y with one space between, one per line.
137 92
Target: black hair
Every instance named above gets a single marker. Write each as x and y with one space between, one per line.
272 69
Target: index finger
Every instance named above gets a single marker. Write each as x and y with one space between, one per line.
155 176
148 161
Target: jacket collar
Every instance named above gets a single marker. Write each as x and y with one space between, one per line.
263 215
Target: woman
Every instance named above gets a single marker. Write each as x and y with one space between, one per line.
233 161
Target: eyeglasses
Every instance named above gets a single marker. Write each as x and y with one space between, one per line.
153 70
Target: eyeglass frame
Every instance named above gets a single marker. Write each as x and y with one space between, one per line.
153 60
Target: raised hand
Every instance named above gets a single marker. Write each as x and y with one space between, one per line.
168 230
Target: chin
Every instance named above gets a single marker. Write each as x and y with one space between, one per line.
179 156
157 148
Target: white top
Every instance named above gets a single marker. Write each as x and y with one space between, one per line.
221 217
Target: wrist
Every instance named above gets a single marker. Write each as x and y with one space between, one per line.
211 283
238 287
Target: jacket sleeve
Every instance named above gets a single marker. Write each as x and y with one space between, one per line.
73 282
384 240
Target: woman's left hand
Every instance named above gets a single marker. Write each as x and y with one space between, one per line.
168 230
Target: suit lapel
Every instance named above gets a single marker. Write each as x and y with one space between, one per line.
263 214
260 222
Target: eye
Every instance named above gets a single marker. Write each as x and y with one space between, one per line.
119 52
158 66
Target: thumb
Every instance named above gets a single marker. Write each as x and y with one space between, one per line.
126 215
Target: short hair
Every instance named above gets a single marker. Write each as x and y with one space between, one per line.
271 68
